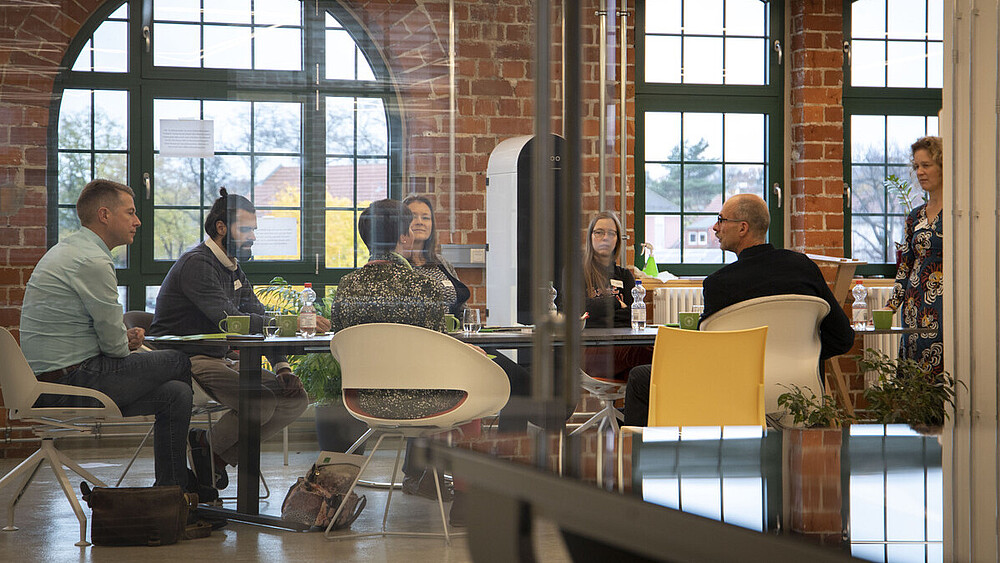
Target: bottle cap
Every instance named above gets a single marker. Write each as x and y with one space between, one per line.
308 284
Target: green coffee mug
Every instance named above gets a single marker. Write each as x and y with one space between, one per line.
452 324
235 324
688 320
883 318
287 325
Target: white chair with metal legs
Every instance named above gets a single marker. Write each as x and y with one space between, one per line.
607 391
20 391
418 359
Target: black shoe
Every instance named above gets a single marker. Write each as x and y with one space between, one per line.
457 515
205 493
201 456
423 486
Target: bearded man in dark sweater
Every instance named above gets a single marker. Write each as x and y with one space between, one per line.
760 270
204 286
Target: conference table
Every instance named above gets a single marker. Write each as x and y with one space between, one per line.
252 348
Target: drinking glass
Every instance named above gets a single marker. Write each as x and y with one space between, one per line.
271 324
470 321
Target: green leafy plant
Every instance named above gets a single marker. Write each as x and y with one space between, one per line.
902 189
906 393
810 411
320 373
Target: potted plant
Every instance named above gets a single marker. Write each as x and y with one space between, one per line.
811 452
336 429
906 393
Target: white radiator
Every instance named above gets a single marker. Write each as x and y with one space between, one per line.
887 344
668 301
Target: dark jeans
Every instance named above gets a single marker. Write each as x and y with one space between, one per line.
157 383
637 396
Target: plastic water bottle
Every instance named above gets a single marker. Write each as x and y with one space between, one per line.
860 314
638 306
307 314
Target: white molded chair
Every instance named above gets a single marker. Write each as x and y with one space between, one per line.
607 391
793 344
398 356
20 391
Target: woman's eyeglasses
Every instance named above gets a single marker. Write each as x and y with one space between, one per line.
601 233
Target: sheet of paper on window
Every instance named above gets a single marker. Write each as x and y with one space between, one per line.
187 138
277 238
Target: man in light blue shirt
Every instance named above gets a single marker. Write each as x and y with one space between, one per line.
72 330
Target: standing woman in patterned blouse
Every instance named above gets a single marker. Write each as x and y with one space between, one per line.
425 258
918 292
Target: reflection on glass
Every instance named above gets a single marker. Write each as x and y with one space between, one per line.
74 173
275 49
176 45
867 192
232 124
110 119
905 65
176 181
107 49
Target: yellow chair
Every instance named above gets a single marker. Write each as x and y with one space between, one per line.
704 379
707 378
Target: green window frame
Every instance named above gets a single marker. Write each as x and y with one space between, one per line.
682 178
114 83
893 103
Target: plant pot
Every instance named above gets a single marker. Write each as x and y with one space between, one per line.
336 429
927 430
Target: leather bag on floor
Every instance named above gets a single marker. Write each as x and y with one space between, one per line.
313 499
138 515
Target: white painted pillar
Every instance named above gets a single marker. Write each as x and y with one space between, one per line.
969 127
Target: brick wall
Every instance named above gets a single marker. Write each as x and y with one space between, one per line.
817 123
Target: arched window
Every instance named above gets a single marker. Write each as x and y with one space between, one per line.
288 106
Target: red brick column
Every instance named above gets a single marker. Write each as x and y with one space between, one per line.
812 482
816 113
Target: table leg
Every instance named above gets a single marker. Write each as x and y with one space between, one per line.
835 376
248 470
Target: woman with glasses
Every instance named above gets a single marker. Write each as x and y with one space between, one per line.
609 299
919 289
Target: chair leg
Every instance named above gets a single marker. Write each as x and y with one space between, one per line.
56 460
392 482
354 483
134 456
444 521
357 444
29 466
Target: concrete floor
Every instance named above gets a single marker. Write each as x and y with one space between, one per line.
48 527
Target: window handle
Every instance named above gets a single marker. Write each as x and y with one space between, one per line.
847 195
847 52
777 49
146 183
777 192
145 36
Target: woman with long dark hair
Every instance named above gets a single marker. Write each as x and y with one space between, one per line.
609 299
425 258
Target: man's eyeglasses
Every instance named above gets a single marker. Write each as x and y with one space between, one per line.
720 219
601 233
